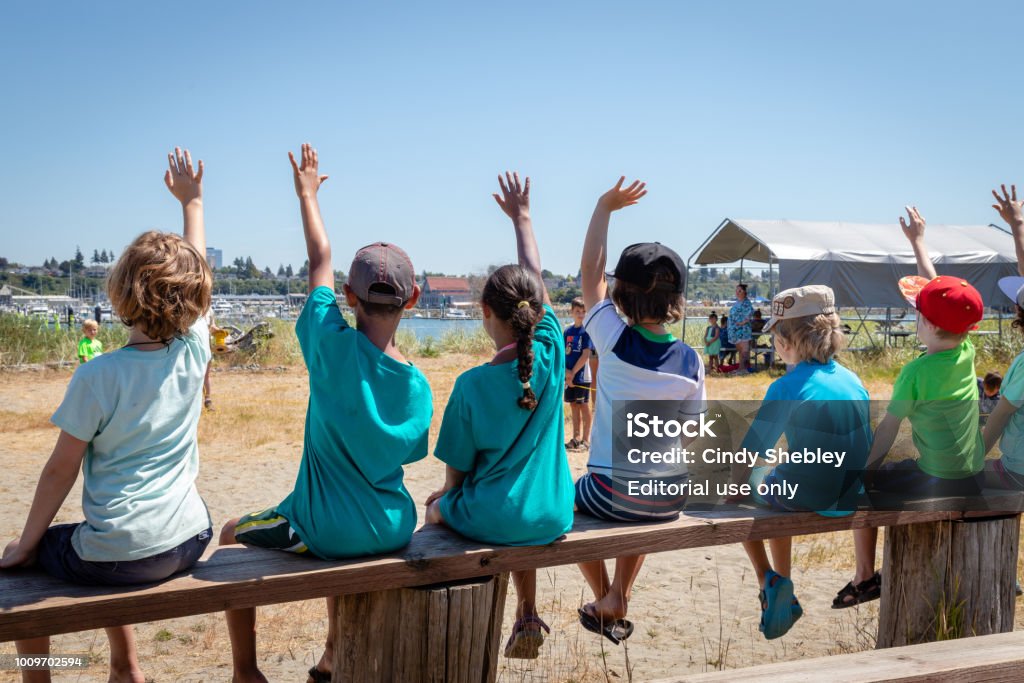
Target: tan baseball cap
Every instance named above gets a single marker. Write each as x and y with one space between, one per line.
800 302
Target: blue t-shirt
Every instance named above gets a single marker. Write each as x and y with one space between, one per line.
1012 441
139 411
518 489
817 405
576 342
368 416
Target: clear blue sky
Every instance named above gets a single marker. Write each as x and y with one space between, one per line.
802 110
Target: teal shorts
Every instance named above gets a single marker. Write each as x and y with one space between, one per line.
268 529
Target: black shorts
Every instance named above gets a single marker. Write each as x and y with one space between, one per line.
578 393
57 557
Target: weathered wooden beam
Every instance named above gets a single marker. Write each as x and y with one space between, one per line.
32 604
992 659
430 634
950 579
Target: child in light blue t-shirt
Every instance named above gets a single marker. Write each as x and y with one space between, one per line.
508 479
819 405
128 422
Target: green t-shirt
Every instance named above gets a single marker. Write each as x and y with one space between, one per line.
518 489
368 415
939 393
89 349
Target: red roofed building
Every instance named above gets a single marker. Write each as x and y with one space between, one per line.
444 292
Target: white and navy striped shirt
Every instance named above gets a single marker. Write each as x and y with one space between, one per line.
637 365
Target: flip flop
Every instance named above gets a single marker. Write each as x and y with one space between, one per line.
615 631
776 605
525 643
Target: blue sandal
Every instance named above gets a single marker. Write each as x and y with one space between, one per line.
778 606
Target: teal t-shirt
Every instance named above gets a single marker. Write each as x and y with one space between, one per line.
817 405
938 392
368 415
1012 442
139 411
518 489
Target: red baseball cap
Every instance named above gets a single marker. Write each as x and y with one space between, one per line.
949 303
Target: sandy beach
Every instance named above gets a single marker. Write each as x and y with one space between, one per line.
694 610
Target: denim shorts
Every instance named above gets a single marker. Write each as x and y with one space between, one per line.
906 477
765 474
57 557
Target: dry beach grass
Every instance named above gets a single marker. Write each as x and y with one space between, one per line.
694 610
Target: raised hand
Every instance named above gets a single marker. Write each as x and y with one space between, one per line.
619 198
184 182
515 197
307 174
914 230
1010 210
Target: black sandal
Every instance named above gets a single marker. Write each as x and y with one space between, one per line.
615 631
865 591
318 676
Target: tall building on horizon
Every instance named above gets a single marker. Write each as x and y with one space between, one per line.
215 258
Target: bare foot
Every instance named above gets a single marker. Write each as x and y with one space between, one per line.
609 608
254 676
129 675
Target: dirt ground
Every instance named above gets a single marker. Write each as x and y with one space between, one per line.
694 610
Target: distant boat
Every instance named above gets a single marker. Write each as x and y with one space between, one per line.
456 314
417 315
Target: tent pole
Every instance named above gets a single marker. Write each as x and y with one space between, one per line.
888 326
686 297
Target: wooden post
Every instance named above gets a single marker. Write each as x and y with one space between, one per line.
447 633
945 580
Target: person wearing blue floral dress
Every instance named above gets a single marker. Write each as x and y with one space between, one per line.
740 316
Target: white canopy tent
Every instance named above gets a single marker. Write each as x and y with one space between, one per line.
861 262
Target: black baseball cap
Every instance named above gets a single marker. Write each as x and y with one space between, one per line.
637 264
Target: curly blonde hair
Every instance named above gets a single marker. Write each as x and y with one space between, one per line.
161 284
818 337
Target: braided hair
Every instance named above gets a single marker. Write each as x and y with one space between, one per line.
514 294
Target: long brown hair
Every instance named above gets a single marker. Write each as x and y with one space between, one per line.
514 295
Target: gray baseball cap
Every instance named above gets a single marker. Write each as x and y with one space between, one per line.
382 273
1013 287
800 302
